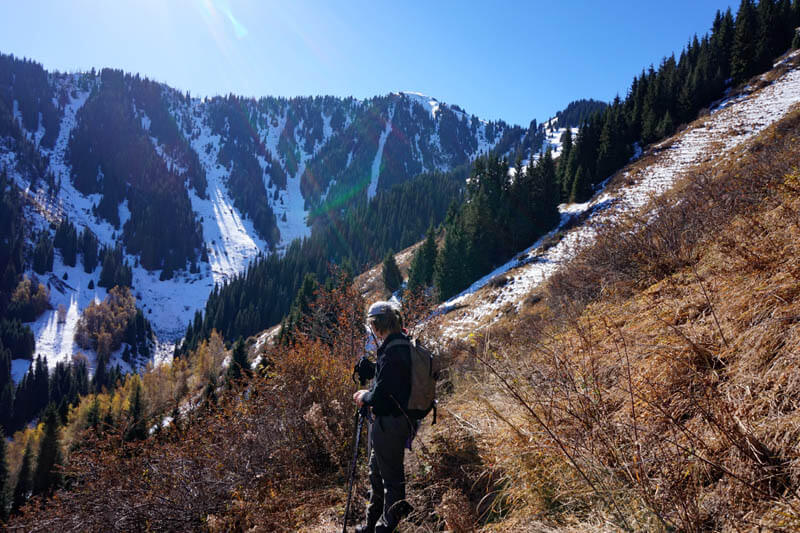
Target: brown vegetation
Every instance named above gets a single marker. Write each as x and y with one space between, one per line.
652 388
29 300
246 461
102 326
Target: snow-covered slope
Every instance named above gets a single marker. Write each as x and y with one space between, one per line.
290 136
730 123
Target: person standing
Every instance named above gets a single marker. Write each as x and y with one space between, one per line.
392 429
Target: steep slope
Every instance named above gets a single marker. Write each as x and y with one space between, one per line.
195 189
707 140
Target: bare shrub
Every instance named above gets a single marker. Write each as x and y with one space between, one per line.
657 389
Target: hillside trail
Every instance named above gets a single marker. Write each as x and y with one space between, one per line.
707 140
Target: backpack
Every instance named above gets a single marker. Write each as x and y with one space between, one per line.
425 367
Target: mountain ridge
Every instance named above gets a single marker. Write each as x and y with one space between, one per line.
243 176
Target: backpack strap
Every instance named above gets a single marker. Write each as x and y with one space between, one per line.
397 342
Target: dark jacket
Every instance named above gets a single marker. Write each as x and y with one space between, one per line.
392 385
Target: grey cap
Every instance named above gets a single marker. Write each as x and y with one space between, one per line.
383 308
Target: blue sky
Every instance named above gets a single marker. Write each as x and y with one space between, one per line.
510 60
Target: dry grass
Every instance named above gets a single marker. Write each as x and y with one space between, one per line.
653 388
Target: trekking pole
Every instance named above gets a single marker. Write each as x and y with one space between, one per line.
361 376
359 423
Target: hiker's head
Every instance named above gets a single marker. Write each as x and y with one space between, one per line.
384 318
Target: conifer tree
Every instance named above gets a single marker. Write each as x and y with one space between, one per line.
770 31
582 186
93 415
450 264
88 245
43 254
239 364
566 150
392 278
548 214
48 477
5 365
743 54
137 428
420 273
7 407
3 479
24 486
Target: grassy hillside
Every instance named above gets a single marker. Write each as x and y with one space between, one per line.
651 386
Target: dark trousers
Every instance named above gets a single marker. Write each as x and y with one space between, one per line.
386 476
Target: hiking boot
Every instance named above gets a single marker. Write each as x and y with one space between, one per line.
365 529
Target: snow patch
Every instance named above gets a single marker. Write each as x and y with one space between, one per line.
376 163
727 127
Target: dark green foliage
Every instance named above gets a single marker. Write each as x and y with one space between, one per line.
771 40
112 154
139 336
662 99
24 486
7 407
26 83
50 459
17 338
4 507
39 388
43 254
116 270
231 118
578 111
262 296
301 307
420 273
137 424
12 244
239 364
88 247
392 278
744 60
499 217
451 272
796 41
66 240
5 366
581 186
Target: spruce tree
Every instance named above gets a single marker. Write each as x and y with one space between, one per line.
7 407
450 264
3 479
392 278
5 365
48 477
137 425
743 54
561 171
582 186
239 364
24 486
550 198
770 30
420 273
